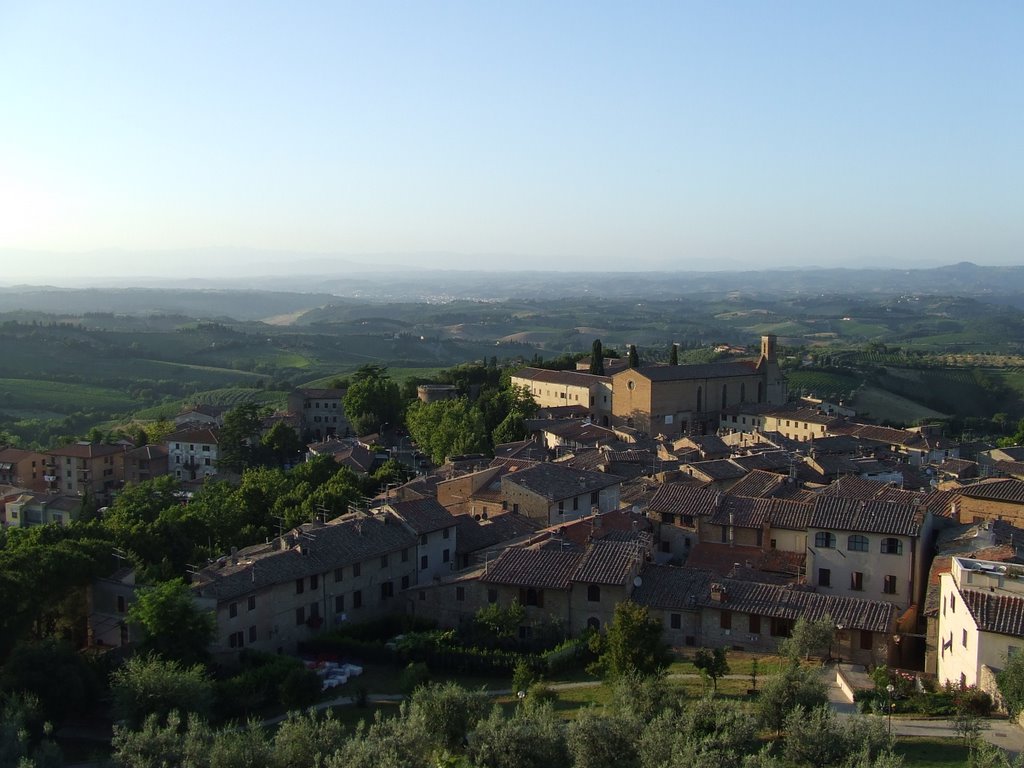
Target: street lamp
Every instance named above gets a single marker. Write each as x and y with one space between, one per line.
889 689
521 695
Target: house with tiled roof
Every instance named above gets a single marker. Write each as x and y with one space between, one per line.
435 531
193 452
872 549
677 509
980 621
554 493
552 389
24 469
569 434
138 465
674 595
271 597
991 499
79 468
756 616
321 412
482 537
31 509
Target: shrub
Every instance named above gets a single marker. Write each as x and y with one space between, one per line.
300 689
413 676
541 693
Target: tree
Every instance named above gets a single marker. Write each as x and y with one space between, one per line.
809 637
19 745
59 678
447 428
531 738
1011 684
281 445
599 740
634 358
632 643
673 355
713 663
175 627
816 737
372 399
147 686
304 738
447 712
239 437
794 686
597 358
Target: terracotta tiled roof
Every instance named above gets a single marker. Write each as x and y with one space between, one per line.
423 515
148 452
474 535
790 514
855 488
766 460
555 482
609 562
717 469
526 449
679 499
530 567
1003 614
86 450
194 435
699 371
836 514
786 602
758 484
996 490
671 588
569 378
321 394
721 558
741 512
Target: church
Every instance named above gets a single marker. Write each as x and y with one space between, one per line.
677 400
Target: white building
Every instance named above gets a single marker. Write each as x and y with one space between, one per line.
192 453
981 620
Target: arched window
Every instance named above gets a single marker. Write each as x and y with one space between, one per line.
825 540
725 395
760 391
594 593
743 393
892 546
857 543
593 623
699 403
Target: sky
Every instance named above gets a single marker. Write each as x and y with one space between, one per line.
198 137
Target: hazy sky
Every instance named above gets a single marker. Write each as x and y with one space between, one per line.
558 135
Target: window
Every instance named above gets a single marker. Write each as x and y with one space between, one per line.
405 582
424 561
252 634
339 574
594 593
314 610
952 603
725 619
423 539
383 561
233 610
593 623
824 577
892 546
121 605
492 595
575 503
772 543
595 497
339 604
782 627
356 570
387 590
357 599
446 533
825 540
857 543
405 555
561 507
889 585
314 582
725 534
754 623
675 621
866 643
300 615
252 602
445 556
963 638
857 581
300 586
236 639
460 594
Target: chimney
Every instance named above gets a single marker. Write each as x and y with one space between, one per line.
718 594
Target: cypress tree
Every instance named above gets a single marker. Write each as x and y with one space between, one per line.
597 358
634 358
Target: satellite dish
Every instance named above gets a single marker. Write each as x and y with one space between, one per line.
638 581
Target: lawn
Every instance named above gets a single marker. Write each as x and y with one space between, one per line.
931 753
